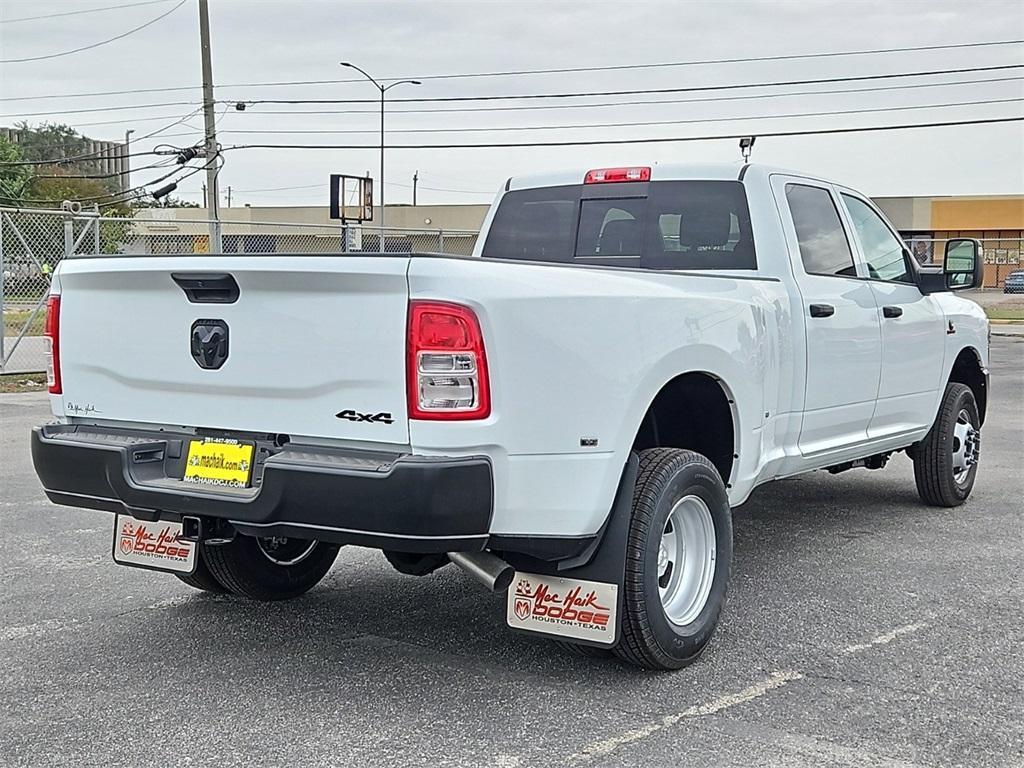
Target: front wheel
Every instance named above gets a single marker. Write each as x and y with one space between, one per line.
678 557
269 568
946 461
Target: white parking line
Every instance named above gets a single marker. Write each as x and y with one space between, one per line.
758 689
886 638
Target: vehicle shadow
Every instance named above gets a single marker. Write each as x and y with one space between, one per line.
366 619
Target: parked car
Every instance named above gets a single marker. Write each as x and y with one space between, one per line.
570 414
1014 282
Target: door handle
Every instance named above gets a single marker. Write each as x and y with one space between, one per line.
207 288
822 310
892 311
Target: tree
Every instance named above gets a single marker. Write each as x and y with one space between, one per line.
13 178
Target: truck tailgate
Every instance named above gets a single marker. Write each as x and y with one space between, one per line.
313 343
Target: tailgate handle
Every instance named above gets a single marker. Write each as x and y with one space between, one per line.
207 288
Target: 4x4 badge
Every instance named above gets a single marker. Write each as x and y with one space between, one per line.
383 418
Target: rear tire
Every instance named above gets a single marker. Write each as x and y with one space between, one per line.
202 578
585 651
678 557
946 461
272 568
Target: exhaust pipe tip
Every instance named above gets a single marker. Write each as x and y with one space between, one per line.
490 570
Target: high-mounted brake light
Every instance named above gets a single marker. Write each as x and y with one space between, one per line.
51 342
606 175
446 369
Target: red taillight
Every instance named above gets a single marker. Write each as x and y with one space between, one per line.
606 175
51 336
446 369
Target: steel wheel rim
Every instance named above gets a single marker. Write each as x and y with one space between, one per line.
966 439
282 550
686 560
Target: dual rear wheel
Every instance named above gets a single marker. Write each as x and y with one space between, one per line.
678 557
270 568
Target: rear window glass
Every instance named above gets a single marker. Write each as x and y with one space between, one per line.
677 225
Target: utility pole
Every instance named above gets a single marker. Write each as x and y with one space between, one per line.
415 178
213 196
229 196
127 183
204 196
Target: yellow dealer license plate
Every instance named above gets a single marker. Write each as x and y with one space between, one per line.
219 461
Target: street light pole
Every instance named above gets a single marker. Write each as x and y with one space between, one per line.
383 90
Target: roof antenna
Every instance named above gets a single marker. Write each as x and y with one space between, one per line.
747 144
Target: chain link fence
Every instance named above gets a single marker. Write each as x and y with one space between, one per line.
33 242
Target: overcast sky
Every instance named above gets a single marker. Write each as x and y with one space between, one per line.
259 41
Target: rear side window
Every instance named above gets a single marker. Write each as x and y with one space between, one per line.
824 248
678 225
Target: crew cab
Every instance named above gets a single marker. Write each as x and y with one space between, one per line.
569 414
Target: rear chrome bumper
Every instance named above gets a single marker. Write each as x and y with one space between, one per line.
388 501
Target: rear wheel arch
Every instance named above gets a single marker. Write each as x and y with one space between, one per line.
694 411
968 370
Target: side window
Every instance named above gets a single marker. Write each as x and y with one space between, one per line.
824 248
883 252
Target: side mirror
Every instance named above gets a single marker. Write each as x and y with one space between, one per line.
963 265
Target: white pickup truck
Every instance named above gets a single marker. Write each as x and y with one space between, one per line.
569 414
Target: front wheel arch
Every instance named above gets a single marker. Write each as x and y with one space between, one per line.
968 370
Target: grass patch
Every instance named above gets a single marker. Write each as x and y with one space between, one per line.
15 319
23 382
1005 313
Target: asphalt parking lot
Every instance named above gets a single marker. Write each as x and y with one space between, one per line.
862 629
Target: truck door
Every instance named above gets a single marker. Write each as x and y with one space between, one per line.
840 319
913 326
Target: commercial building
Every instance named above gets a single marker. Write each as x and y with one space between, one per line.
925 223
997 220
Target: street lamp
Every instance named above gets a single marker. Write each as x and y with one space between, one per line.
383 89
127 184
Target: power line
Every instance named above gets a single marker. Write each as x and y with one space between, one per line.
92 156
506 128
117 108
78 13
127 194
638 91
558 70
161 164
650 140
96 45
719 87
699 100
639 102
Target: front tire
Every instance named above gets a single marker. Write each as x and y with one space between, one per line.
946 461
271 568
678 558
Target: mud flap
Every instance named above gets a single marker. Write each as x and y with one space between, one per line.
579 599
